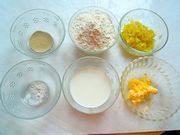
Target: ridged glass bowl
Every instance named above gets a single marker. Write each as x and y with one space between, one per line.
30 89
96 62
150 19
36 20
164 77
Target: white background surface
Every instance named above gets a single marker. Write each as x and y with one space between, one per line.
63 117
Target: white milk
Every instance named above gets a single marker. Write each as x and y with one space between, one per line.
90 87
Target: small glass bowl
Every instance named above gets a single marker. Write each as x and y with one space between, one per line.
164 77
97 63
30 89
152 20
89 9
36 20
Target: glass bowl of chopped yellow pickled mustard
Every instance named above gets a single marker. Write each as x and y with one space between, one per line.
93 29
30 89
151 88
37 33
143 32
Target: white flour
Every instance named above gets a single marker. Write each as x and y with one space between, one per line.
93 30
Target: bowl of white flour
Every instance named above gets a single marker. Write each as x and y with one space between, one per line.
93 29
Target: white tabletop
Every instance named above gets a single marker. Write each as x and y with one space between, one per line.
63 118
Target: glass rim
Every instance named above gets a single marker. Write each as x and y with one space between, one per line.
28 11
107 12
82 108
135 51
52 106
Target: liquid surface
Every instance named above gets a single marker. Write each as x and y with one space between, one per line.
40 42
90 87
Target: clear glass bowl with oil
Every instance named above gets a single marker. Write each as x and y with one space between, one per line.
37 21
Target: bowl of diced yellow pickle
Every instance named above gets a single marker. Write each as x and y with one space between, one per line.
142 32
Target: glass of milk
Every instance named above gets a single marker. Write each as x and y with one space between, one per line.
91 85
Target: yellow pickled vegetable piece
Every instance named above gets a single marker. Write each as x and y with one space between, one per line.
138 36
140 89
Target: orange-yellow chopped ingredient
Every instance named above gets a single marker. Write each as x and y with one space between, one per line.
140 89
138 36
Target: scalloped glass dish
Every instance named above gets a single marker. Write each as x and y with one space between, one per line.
164 77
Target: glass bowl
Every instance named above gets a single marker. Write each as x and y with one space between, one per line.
36 20
87 10
30 89
151 20
164 77
94 62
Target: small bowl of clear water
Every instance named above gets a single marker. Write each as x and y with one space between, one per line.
30 89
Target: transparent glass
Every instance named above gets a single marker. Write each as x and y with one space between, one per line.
164 77
93 62
89 9
36 20
151 20
22 98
